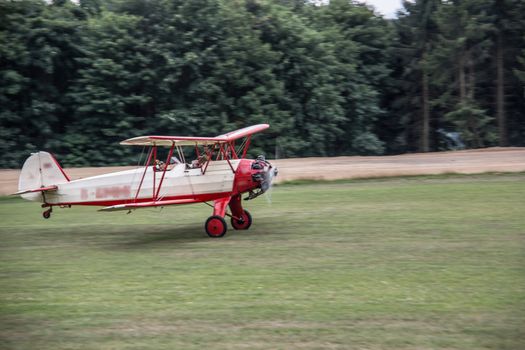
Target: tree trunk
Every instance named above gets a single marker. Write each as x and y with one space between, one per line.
500 91
471 95
471 92
425 121
461 79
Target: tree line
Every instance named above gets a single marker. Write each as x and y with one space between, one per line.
331 79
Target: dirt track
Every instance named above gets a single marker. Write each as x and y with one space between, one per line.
465 162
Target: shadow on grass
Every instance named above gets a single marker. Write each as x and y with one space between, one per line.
117 237
180 236
79 233
172 236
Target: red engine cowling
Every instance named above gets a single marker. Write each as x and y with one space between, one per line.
253 176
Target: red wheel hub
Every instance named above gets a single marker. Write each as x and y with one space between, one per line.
215 226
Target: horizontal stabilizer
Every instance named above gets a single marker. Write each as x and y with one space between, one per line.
151 204
41 189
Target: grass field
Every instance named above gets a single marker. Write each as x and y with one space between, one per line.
415 263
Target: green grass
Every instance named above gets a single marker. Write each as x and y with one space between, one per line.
415 263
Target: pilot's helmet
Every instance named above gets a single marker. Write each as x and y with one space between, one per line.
261 158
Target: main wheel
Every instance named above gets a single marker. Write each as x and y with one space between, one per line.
244 222
215 226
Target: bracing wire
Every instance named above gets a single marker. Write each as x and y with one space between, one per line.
241 146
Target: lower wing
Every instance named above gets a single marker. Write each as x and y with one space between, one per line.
151 204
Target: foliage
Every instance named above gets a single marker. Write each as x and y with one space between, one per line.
332 78
38 47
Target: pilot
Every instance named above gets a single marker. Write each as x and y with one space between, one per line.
159 165
200 161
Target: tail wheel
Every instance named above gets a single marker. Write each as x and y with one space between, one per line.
244 222
215 226
47 213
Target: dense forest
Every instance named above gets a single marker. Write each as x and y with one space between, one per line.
332 78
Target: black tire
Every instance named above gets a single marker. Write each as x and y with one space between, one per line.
46 214
245 223
215 226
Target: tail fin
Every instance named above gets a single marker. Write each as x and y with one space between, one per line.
41 170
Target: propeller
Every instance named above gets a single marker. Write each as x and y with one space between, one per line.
271 174
265 177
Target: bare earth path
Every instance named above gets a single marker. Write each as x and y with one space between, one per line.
464 162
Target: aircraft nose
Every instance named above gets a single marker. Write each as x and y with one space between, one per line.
263 173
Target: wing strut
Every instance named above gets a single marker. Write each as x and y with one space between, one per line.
156 197
150 154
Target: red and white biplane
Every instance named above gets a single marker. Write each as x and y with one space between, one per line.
219 174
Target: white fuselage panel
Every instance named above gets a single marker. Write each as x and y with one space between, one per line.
123 185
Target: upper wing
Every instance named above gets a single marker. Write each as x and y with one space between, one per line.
169 140
193 141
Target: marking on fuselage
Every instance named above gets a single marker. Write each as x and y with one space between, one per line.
113 192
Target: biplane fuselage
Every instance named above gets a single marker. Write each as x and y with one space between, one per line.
221 178
180 183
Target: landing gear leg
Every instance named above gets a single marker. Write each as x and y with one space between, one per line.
47 213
